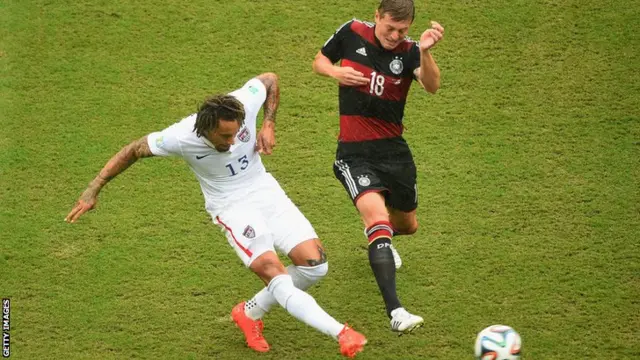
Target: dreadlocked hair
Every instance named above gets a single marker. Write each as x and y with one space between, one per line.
215 108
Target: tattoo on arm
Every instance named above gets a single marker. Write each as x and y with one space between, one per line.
270 81
321 260
125 157
118 163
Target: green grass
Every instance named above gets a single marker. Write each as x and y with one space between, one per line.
528 159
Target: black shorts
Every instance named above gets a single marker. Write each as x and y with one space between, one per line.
394 178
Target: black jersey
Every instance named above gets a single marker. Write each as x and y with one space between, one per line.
372 112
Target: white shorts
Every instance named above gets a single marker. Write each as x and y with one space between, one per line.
264 220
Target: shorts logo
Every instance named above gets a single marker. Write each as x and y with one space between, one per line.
249 232
396 66
244 135
364 180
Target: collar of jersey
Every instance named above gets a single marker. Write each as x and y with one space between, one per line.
210 144
378 43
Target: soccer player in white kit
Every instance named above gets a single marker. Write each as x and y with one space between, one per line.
222 148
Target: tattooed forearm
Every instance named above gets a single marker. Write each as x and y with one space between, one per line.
119 163
321 260
270 81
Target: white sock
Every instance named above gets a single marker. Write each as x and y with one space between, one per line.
302 278
302 306
259 305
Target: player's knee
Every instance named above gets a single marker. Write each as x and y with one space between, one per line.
318 271
314 273
306 276
412 228
407 229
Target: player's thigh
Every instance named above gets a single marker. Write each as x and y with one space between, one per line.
372 208
365 187
358 177
291 229
402 199
247 232
401 179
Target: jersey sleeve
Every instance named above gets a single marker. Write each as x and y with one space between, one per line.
333 48
252 95
167 141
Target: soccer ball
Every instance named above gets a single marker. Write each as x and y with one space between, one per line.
498 342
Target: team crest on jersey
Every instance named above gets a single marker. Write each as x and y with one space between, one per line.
364 180
396 66
244 135
249 232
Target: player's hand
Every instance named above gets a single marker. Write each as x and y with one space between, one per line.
84 204
350 77
266 139
431 36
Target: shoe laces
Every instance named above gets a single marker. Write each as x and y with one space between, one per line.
256 330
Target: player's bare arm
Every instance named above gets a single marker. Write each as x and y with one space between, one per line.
270 81
345 75
428 74
266 140
118 163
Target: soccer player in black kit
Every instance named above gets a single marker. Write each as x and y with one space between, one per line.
378 63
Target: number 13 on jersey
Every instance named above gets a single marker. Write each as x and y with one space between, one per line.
242 164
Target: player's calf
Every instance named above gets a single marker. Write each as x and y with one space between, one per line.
382 262
303 277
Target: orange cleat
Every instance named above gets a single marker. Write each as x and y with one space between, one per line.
252 329
351 342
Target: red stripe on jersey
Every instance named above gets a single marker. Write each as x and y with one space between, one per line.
368 33
383 86
360 128
246 251
365 31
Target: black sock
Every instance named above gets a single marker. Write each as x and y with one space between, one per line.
384 269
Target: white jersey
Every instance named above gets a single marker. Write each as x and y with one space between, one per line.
223 176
